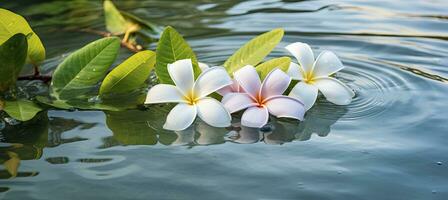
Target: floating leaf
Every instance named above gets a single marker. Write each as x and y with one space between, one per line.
115 22
129 75
11 24
254 51
84 68
61 104
22 110
12 59
111 103
266 67
173 47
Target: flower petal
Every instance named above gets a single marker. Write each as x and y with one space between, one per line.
234 102
326 64
234 87
307 93
213 112
164 93
203 66
303 54
181 72
180 117
247 77
211 80
275 83
284 106
295 71
334 90
255 117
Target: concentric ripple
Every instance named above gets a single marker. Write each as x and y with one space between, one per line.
380 85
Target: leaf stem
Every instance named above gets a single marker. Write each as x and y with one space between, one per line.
124 43
36 70
45 79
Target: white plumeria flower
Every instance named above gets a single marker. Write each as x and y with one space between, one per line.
192 96
260 99
315 76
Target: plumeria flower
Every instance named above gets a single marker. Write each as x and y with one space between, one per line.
260 99
314 76
192 96
233 88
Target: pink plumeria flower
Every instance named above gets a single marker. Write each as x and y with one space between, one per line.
260 99
234 87
315 76
192 96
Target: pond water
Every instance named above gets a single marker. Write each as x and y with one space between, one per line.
391 142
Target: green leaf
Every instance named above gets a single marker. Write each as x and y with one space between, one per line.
254 51
22 110
266 67
129 75
10 24
12 59
83 69
115 22
56 103
173 47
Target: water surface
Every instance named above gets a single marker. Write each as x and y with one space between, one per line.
389 143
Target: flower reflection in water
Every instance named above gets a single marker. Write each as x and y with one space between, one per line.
145 128
282 131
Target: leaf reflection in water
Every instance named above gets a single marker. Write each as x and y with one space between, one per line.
27 140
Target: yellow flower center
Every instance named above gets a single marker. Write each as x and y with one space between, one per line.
308 77
190 98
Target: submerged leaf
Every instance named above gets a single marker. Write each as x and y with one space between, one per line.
254 51
129 75
11 24
266 67
173 47
22 110
83 69
12 59
115 22
147 29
